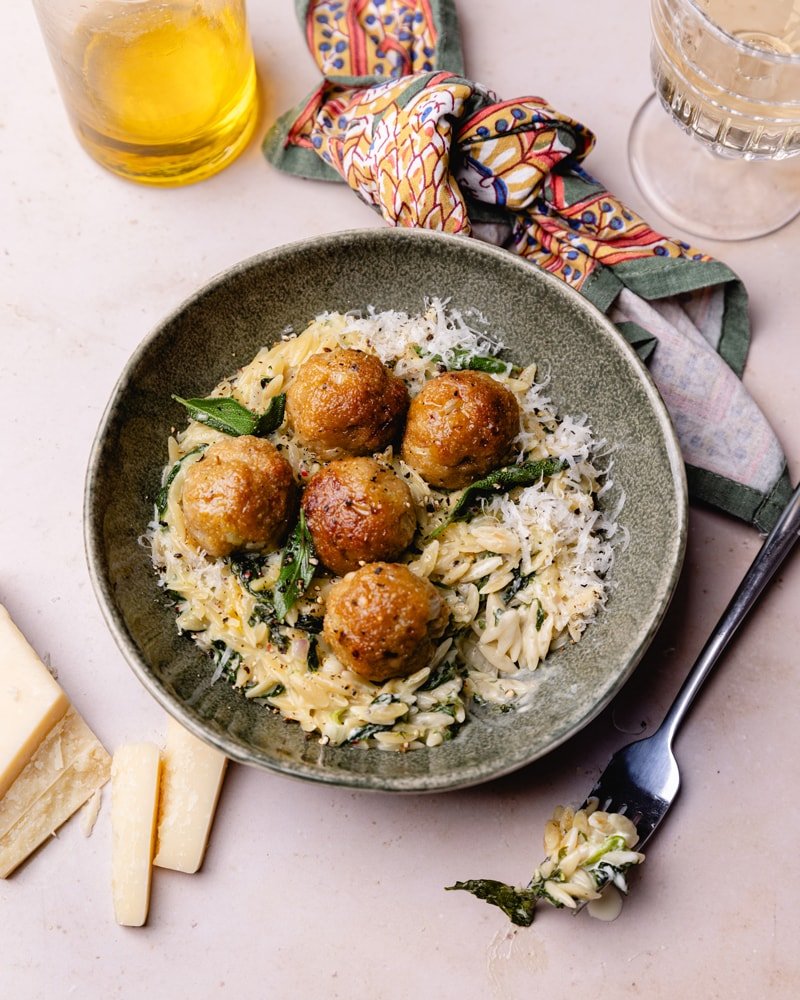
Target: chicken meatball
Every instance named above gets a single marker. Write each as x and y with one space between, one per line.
460 426
358 512
382 620
344 402
240 495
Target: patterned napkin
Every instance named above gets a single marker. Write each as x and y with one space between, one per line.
395 118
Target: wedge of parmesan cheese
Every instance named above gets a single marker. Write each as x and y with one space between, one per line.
190 785
31 702
50 761
135 774
66 769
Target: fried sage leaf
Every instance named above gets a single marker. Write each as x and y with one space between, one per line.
230 417
162 497
271 419
518 904
364 732
297 569
500 481
460 359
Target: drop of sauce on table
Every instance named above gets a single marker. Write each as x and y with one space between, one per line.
608 906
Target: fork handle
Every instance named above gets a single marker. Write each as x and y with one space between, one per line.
777 546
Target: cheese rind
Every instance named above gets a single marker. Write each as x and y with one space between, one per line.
190 786
67 768
31 702
135 773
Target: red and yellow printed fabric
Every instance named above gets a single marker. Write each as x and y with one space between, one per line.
397 120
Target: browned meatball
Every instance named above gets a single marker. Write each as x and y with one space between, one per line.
241 494
460 426
358 512
381 621
344 402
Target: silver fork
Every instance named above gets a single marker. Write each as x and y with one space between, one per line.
642 779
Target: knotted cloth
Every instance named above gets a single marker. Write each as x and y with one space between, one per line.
397 120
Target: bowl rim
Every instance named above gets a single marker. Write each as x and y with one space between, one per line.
93 547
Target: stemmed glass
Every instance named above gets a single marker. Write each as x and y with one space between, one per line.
727 72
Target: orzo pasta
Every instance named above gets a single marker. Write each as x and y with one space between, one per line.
522 572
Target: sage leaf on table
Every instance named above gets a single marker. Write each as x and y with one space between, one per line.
298 562
602 861
518 905
229 416
500 481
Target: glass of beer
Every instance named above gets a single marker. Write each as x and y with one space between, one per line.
716 149
158 91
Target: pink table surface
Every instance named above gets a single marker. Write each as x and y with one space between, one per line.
323 892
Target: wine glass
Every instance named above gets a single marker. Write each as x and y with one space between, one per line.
727 72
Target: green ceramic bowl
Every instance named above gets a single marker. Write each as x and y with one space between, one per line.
592 370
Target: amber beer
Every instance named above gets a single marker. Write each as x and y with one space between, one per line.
159 92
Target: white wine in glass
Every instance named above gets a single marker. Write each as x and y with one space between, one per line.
727 72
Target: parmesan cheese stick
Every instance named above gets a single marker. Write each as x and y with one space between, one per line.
135 773
190 787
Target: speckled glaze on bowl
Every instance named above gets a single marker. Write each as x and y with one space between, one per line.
592 371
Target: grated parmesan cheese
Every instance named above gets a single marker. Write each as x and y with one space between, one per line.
524 576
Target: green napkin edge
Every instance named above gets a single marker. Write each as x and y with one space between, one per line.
449 51
298 160
660 277
654 278
641 340
762 510
304 162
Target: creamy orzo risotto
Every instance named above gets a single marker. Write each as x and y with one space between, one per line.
523 570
